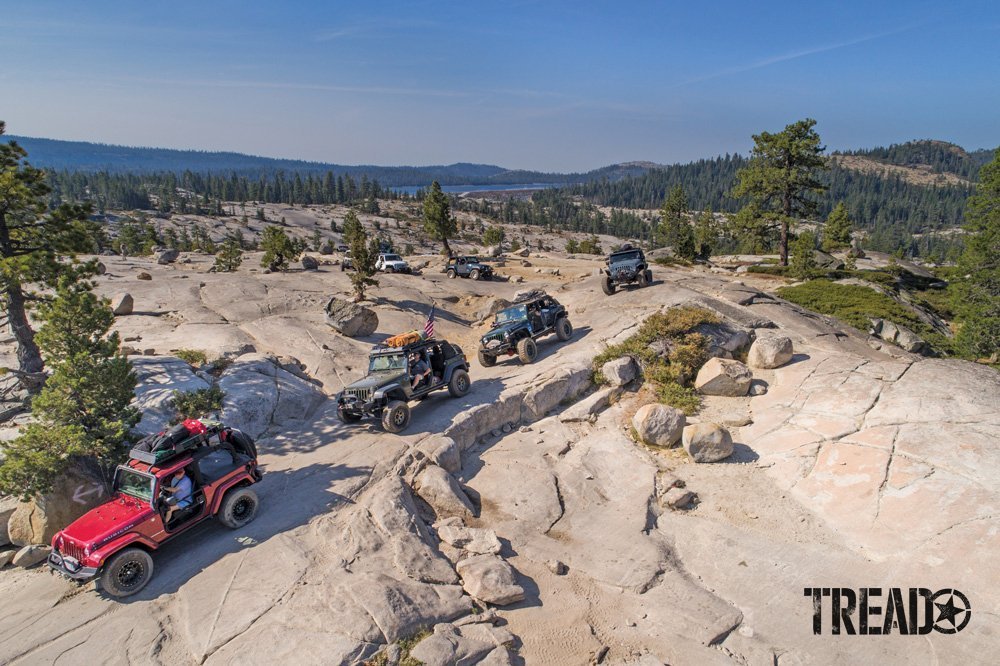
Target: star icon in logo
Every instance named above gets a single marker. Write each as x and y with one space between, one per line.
951 617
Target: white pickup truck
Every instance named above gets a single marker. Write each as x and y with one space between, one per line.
391 263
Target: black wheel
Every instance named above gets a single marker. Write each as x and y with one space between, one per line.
474 274
342 267
127 572
649 276
564 329
347 417
643 279
607 286
396 416
239 507
452 274
527 350
459 384
390 269
486 360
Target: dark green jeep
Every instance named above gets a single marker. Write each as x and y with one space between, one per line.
516 328
394 379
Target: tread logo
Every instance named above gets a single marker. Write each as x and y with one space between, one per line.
913 611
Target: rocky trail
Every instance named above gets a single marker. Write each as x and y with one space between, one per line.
856 468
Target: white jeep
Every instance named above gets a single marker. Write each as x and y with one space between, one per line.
391 263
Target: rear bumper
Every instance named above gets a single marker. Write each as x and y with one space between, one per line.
71 568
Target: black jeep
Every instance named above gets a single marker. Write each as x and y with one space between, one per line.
626 266
516 328
468 267
387 389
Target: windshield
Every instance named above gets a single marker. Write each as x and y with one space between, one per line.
133 483
387 362
624 256
516 313
472 260
393 257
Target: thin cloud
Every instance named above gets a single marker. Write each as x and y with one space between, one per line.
785 57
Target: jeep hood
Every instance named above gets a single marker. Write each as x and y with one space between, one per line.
377 379
120 513
507 327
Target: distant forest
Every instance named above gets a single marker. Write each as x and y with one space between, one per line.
899 216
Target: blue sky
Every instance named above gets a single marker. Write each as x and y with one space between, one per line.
524 84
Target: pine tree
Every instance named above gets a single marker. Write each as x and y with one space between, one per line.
803 255
439 223
837 231
674 230
780 178
978 295
364 254
278 249
706 234
230 255
83 411
32 241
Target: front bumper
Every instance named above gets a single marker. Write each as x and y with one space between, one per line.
70 567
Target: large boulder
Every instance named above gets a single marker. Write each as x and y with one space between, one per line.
158 377
707 442
29 556
442 451
489 579
7 507
491 307
6 556
461 643
771 351
476 540
441 491
310 263
619 371
351 319
659 425
143 275
898 335
523 252
723 377
493 251
37 521
122 304
827 261
260 394
166 256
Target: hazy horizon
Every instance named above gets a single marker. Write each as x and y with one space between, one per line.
546 86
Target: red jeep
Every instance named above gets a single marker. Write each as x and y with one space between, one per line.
114 541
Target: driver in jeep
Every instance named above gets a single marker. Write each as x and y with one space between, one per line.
180 489
419 370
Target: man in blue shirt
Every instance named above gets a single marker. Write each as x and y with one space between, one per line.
181 490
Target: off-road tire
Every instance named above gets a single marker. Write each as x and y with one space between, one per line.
527 350
564 329
643 279
346 417
390 269
474 274
396 416
649 276
239 507
607 286
460 383
452 274
486 360
342 267
126 572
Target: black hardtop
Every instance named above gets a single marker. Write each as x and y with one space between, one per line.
626 250
531 297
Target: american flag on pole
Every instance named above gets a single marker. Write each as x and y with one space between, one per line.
429 326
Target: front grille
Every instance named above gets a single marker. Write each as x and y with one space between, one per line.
490 337
363 395
72 550
623 273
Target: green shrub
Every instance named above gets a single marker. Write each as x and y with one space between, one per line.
192 356
671 261
688 351
195 404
